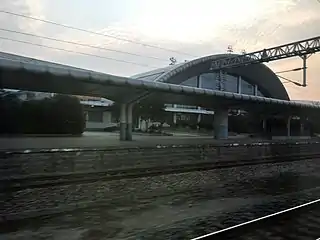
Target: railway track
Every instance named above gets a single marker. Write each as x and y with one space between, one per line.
42 181
300 222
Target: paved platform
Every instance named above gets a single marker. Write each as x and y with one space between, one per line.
98 140
106 139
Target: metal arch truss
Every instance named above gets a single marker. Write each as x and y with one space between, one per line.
300 48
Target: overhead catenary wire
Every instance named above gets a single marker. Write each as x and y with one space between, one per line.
72 51
98 47
291 70
80 44
289 81
96 33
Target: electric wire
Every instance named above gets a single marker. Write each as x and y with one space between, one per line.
96 33
72 51
80 44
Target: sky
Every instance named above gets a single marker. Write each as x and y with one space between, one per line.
184 29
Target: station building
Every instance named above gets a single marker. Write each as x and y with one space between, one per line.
248 88
254 80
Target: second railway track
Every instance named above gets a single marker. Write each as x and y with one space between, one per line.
42 180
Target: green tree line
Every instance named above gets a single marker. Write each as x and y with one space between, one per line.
57 115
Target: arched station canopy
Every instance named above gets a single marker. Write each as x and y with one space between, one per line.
256 74
23 73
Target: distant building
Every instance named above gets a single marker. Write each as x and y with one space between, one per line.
254 81
97 112
259 81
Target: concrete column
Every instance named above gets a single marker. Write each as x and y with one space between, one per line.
220 124
129 122
289 127
123 119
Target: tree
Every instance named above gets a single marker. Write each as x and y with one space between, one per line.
58 115
10 107
69 114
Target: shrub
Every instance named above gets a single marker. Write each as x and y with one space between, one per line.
58 115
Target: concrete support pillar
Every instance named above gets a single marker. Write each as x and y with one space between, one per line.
220 124
123 120
129 122
289 127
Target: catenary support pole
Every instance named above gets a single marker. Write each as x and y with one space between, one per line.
304 70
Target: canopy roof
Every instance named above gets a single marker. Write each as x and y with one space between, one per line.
258 74
35 75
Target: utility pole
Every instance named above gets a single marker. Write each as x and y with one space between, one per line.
304 69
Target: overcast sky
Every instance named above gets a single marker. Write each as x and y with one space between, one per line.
194 28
